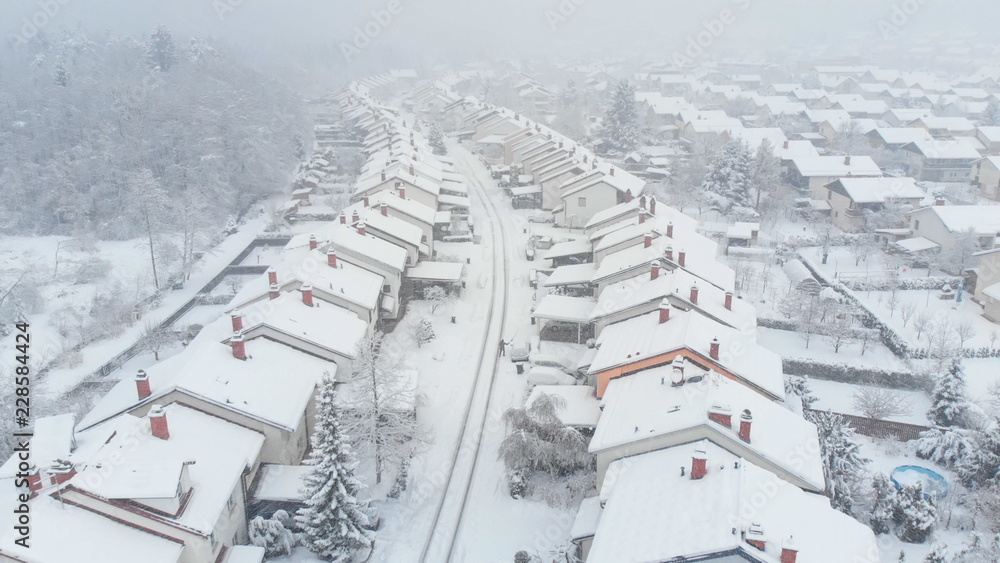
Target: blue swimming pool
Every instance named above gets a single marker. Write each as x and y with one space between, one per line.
931 481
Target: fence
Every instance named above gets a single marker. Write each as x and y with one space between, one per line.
876 428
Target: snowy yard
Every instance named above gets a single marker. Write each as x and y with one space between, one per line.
919 315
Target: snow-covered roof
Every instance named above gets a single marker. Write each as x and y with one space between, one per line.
611 213
700 259
948 149
64 532
879 190
570 248
588 517
51 440
753 137
261 387
407 206
950 124
982 219
701 514
581 408
901 135
436 271
993 291
917 244
780 439
391 226
221 452
643 337
281 482
565 308
571 274
350 242
290 316
244 554
618 179
836 166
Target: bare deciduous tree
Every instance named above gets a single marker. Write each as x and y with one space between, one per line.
922 322
892 303
964 330
879 402
906 311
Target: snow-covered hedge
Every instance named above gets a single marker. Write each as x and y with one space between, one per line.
848 373
846 239
928 283
777 324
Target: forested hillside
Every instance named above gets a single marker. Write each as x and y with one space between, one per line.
139 137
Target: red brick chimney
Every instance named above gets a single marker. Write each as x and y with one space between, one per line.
402 192
847 161
331 257
272 292
628 197
755 536
239 347
681 255
786 144
355 217
670 253
940 201
307 295
664 310
158 422
729 300
361 228
694 294
699 462
61 471
237 319
412 173
789 550
612 171
312 242
383 176
343 218
652 205
142 384
647 241
384 208
670 229
713 349
642 217
585 159
746 421
272 276
654 270
365 200
721 414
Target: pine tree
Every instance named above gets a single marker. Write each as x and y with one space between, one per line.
885 498
991 117
982 467
841 457
436 140
948 402
948 446
938 554
726 187
621 121
161 50
919 514
334 521
766 172
272 535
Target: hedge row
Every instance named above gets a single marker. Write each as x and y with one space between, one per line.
928 283
847 373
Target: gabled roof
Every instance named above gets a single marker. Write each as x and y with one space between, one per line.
877 190
644 337
836 166
981 219
408 207
943 149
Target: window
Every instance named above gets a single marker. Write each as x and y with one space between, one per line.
423 238
829 194
231 504
581 202
916 225
386 289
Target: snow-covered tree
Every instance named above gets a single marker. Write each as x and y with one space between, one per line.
335 522
946 446
979 549
991 117
621 121
843 463
155 338
378 405
766 172
884 493
272 535
918 514
435 138
879 402
148 206
937 554
161 50
799 386
962 253
983 467
727 185
422 331
538 441
438 297
949 405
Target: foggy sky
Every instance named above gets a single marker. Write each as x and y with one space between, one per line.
426 31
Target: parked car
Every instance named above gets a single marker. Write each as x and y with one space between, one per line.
540 375
520 353
539 216
554 361
529 253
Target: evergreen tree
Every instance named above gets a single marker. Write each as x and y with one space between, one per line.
841 457
919 514
436 140
766 171
991 117
161 50
882 506
335 522
272 535
938 554
726 187
621 121
949 446
948 403
982 467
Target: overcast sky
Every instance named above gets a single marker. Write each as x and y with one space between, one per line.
424 31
